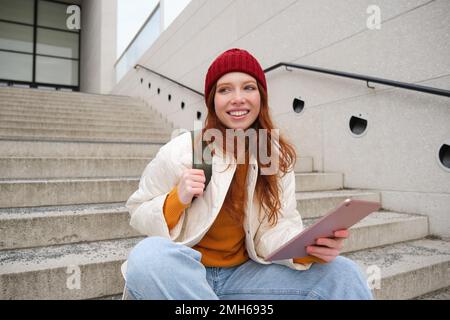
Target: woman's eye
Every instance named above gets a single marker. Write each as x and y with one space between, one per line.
223 90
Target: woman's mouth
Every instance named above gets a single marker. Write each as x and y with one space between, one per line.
236 115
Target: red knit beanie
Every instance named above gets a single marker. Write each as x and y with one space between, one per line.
233 60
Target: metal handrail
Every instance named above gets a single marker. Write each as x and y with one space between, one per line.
404 85
392 83
180 84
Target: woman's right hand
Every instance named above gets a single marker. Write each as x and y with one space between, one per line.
191 184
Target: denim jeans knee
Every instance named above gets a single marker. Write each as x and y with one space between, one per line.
159 268
350 278
149 249
145 260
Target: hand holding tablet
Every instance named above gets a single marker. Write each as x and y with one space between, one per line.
344 216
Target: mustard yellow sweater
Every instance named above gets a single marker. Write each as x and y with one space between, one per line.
224 243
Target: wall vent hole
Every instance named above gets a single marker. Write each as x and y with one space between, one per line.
298 105
358 125
444 155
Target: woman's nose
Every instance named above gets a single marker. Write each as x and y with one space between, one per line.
238 97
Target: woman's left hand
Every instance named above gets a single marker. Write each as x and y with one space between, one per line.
327 249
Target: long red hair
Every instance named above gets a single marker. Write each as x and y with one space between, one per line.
268 188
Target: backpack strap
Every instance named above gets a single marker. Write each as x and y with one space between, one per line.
202 165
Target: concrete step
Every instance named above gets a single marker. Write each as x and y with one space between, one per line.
44 192
316 204
90 133
71 96
73 149
303 165
441 294
70 104
46 226
65 117
70 191
65 96
41 192
81 125
82 99
317 181
74 271
89 139
43 226
113 297
383 228
18 167
76 112
49 100
43 168
409 269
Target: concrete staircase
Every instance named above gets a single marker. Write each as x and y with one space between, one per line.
396 246
68 163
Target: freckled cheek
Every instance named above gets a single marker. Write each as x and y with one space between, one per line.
256 103
220 105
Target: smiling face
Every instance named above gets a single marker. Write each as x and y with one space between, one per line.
237 100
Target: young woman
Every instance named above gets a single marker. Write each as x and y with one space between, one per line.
214 247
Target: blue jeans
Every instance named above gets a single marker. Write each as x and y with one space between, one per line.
160 269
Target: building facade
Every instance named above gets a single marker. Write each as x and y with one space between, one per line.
40 43
72 44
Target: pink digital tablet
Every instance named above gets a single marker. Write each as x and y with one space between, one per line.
344 216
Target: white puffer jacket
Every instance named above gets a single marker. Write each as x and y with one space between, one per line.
164 172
